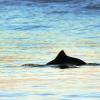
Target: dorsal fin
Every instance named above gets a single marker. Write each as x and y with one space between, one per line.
61 55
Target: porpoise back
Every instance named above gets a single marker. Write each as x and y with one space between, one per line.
63 59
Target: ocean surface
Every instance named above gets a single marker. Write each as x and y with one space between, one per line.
34 31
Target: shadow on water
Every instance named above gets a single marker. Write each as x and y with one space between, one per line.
59 66
52 66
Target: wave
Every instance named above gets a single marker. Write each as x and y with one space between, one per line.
86 3
21 2
93 6
51 1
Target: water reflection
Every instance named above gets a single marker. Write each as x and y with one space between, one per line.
50 82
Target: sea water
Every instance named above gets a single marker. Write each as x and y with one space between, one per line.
34 31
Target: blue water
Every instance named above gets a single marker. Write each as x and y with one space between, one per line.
34 31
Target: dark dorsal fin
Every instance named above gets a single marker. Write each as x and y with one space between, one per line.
61 55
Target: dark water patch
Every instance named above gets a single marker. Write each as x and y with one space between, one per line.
49 1
93 64
10 2
45 94
57 1
29 2
41 87
93 6
30 27
21 27
88 95
33 65
58 12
